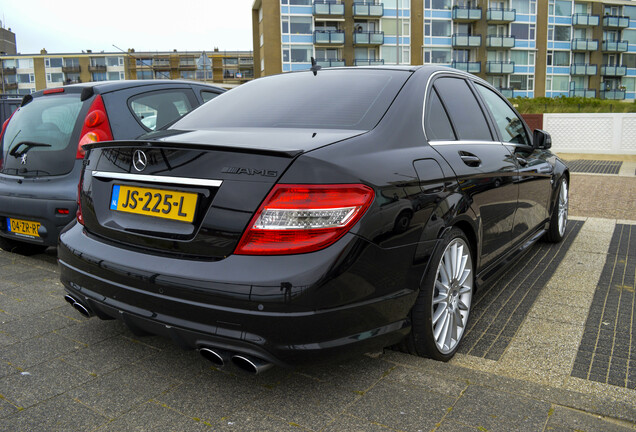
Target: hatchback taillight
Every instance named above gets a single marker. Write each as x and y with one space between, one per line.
96 126
304 218
4 127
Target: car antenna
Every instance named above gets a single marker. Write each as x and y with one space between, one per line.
314 67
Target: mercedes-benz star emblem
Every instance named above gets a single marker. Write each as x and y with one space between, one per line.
140 160
23 159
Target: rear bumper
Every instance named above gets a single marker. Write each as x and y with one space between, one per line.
285 309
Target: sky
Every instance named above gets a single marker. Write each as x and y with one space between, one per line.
67 26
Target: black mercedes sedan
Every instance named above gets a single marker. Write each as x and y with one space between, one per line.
315 214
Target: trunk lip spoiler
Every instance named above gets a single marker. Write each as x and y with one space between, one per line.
189 181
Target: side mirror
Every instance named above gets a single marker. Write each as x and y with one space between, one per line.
541 139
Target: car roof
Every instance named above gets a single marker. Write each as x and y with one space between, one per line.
109 86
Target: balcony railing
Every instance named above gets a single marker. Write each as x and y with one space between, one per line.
613 70
583 69
613 94
97 68
507 92
188 66
10 86
498 67
584 93
465 40
330 63
466 13
9 71
585 20
615 21
368 38
329 37
368 9
495 16
472 67
584 45
161 64
368 62
71 69
493 41
615 46
329 8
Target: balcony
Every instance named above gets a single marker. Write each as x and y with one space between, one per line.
368 9
584 45
330 63
615 21
507 92
471 67
498 68
329 8
97 68
583 69
189 66
500 16
465 40
493 41
72 81
615 46
613 94
466 13
329 37
613 70
585 20
368 62
584 93
161 64
10 86
8 71
368 38
71 69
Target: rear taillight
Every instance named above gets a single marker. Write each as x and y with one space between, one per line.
96 126
304 218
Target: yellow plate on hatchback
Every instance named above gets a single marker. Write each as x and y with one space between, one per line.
166 204
23 227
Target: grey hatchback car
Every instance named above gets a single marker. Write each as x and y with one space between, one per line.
41 147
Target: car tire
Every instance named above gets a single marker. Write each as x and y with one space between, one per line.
438 319
559 218
21 248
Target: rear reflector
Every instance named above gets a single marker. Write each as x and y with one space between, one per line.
62 211
304 218
54 90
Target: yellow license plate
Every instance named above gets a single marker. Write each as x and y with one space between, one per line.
22 227
154 202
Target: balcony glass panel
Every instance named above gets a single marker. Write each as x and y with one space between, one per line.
613 70
585 20
472 67
368 62
500 67
583 69
370 9
584 93
501 15
584 45
465 40
615 21
331 8
330 63
466 13
613 94
368 38
507 92
335 37
615 46
500 41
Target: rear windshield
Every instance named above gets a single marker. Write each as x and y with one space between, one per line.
37 141
332 99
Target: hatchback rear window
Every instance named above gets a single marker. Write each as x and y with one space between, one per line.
37 140
331 99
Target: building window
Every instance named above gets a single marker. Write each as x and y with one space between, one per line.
98 61
99 76
441 4
441 28
143 62
144 74
113 61
560 83
521 6
562 8
187 75
26 78
300 25
562 33
54 77
26 63
114 76
260 14
162 74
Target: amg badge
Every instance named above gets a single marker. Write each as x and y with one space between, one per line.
249 171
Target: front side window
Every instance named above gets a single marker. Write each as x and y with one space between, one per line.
508 123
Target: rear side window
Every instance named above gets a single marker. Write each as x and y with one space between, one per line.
464 110
38 136
155 110
331 99
438 127
208 96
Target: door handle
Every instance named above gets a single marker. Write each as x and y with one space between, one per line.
470 159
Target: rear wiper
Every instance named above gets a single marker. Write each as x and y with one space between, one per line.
29 145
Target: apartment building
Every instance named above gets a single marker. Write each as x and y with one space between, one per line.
25 74
527 48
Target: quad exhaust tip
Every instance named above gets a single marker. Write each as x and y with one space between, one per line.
217 357
78 306
244 362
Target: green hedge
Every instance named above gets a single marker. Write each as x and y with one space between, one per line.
571 105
